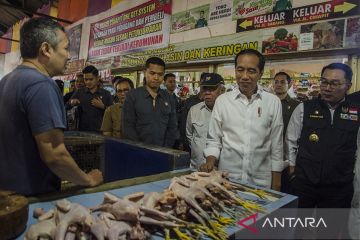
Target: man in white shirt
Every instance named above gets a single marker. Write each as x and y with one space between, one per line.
197 123
246 127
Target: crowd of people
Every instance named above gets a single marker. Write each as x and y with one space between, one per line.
266 139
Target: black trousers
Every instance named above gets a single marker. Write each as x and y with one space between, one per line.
329 196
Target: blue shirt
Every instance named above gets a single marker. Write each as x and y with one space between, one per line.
30 104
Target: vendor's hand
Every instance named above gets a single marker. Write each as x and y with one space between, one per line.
209 165
74 102
98 103
96 177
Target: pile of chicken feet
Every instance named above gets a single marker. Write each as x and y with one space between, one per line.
194 206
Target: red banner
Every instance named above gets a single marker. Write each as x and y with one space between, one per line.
143 27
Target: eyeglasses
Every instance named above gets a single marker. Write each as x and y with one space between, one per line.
333 83
122 90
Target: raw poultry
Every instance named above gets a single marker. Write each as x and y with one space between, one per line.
194 206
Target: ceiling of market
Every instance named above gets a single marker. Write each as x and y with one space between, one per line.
11 11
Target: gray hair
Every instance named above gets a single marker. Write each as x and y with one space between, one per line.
35 32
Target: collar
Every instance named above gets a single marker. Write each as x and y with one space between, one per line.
147 94
258 93
88 90
287 98
205 107
335 106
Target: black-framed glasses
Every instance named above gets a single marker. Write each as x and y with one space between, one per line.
332 83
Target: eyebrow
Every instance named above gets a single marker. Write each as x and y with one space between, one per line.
160 73
339 80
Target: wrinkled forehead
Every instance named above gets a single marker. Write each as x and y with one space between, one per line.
334 74
123 85
248 61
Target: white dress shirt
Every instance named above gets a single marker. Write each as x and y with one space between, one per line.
291 92
246 136
197 126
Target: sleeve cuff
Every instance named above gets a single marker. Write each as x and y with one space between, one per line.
292 164
212 151
278 166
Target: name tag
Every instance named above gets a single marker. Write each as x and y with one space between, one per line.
350 117
316 116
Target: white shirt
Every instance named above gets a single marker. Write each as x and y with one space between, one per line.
293 132
291 92
197 126
246 136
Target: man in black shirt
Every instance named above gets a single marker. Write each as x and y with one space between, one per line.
170 84
92 101
148 113
281 85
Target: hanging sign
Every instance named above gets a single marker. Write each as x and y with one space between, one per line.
309 13
146 26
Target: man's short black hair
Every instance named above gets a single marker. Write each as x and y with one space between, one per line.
154 60
124 79
341 66
288 78
35 32
251 51
116 79
168 75
72 81
60 84
91 69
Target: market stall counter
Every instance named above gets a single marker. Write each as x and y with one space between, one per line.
218 221
126 159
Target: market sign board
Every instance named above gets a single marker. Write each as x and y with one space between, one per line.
249 8
74 35
220 11
205 49
309 13
193 18
74 66
146 26
222 47
352 37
